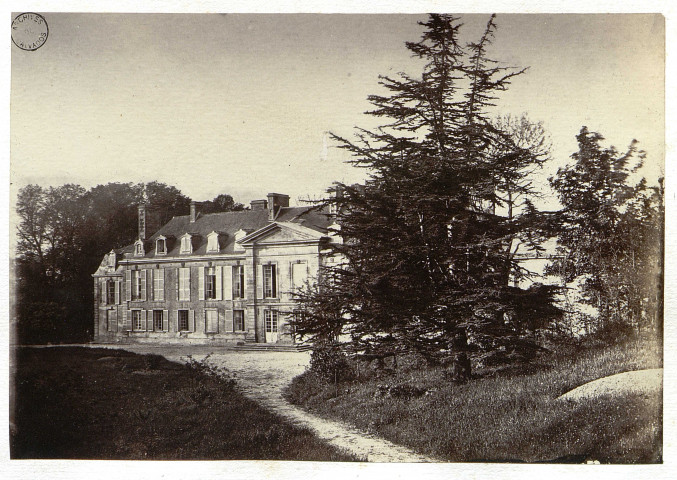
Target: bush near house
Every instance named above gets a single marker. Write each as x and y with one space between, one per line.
111 404
504 414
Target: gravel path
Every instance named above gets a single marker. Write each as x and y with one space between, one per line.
262 377
639 381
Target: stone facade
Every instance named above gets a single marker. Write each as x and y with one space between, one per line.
212 279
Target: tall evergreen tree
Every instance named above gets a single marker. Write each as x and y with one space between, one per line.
424 253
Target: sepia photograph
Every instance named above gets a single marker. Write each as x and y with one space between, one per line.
348 238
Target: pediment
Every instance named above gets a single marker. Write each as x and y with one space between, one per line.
282 232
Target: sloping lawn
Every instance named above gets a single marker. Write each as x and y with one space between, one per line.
509 415
111 404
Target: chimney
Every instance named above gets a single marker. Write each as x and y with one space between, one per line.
275 202
193 212
259 204
149 221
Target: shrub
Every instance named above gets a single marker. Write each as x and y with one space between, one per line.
331 364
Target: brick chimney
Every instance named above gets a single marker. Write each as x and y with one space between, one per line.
275 202
193 211
149 221
259 204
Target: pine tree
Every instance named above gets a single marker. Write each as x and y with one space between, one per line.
425 255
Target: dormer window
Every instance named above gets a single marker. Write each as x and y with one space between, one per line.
138 249
186 244
213 242
161 246
239 235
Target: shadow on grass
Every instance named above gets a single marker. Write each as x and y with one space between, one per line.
111 404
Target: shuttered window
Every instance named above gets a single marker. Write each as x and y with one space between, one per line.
210 283
211 321
184 284
159 285
183 323
138 322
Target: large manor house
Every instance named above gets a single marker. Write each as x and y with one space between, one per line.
216 278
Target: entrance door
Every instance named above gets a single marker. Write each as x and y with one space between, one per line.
271 325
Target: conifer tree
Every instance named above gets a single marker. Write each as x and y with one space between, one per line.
424 254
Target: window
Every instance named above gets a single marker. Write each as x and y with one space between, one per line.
210 283
184 284
159 284
299 275
137 321
161 246
269 281
238 281
111 320
110 292
211 321
136 284
183 321
298 317
186 244
213 242
238 320
157 320
271 321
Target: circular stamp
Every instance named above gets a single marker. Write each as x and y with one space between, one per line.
29 31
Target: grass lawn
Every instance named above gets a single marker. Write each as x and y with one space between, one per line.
509 415
111 404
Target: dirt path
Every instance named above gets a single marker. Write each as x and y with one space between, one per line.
263 375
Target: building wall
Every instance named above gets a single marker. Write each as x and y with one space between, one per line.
113 322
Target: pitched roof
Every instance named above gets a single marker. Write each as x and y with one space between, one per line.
227 223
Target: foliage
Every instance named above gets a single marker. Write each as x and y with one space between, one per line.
509 413
611 237
63 233
330 364
426 259
221 203
143 407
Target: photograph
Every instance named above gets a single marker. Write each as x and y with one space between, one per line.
421 238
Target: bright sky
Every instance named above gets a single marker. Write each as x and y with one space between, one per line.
240 103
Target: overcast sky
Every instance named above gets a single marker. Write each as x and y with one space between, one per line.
240 104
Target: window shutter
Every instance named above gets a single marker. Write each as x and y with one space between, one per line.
259 281
160 294
292 285
219 283
118 284
191 320
201 283
144 319
178 282
165 320
227 282
128 285
244 282
276 279
188 284
103 290
127 319
177 321
229 320
144 285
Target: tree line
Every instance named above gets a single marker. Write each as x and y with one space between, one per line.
431 241
63 233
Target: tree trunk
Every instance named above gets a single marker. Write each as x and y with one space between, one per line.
460 366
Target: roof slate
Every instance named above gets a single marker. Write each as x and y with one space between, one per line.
226 223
